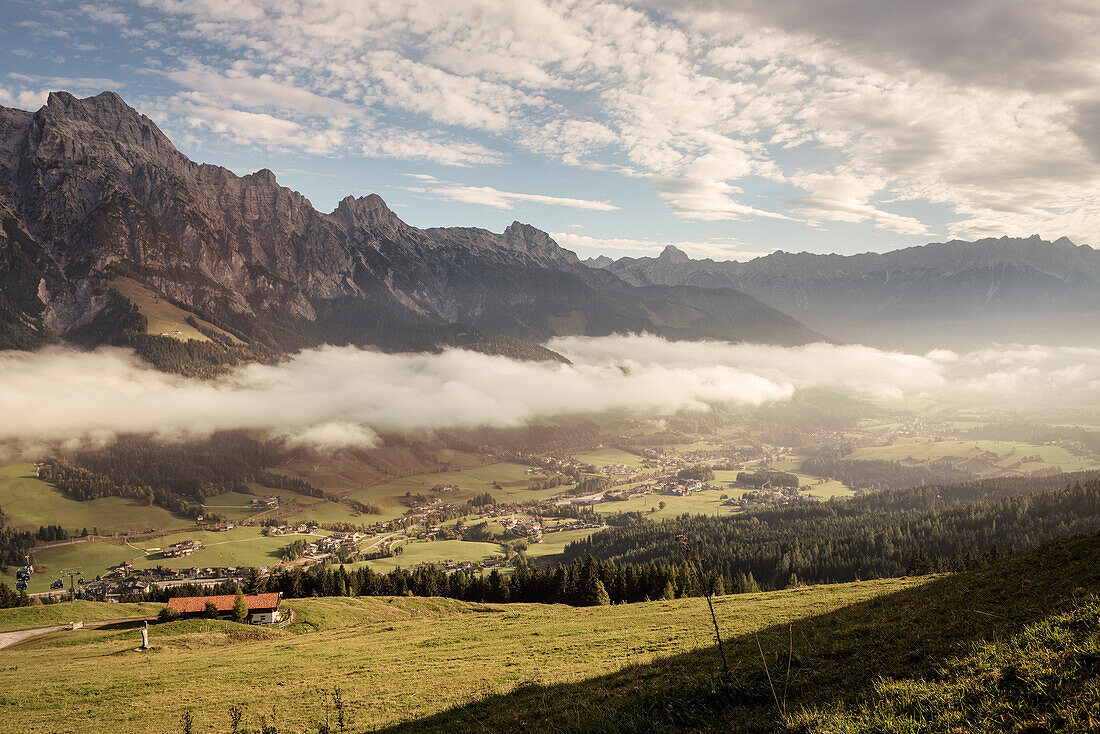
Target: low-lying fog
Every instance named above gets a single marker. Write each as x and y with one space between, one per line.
343 396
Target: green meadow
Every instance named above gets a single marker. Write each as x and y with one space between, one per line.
605 456
706 502
29 503
984 458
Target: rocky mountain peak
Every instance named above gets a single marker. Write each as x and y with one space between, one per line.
71 127
533 241
673 255
366 212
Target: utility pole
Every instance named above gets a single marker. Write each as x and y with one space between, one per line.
72 573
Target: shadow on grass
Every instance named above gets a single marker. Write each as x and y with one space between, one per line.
836 656
124 625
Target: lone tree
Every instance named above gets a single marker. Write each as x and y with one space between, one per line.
240 609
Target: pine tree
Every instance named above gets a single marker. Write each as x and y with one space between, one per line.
240 609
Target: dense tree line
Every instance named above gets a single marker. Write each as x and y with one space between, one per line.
699 472
52 533
584 582
879 475
770 477
876 535
1031 433
178 477
562 436
9 597
14 546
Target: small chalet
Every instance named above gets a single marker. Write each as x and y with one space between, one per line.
262 608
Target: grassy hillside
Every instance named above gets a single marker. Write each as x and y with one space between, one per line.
396 659
1005 647
48 615
982 458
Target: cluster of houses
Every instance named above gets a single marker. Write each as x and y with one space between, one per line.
767 496
681 487
522 527
337 543
124 580
269 502
615 470
301 528
181 549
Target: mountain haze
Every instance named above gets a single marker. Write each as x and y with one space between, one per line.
93 194
943 294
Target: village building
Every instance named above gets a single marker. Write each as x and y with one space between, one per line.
262 608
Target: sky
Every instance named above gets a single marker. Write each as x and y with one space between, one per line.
730 129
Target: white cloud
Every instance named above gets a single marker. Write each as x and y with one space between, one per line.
986 108
488 196
336 397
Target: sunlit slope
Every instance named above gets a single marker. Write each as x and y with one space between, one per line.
396 659
927 641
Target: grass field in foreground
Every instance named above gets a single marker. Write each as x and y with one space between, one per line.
396 659
49 615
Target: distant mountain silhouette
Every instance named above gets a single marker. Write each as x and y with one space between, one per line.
944 294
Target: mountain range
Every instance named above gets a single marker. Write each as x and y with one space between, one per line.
105 221
106 226
949 294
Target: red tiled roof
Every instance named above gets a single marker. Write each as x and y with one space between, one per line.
224 602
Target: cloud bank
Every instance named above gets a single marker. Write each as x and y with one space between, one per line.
336 397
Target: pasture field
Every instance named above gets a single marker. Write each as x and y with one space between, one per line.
707 502
251 551
334 512
553 544
420 551
162 316
29 503
511 478
816 486
395 659
605 456
984 458
92 558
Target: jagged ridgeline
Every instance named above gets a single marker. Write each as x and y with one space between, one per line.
990 290
112 236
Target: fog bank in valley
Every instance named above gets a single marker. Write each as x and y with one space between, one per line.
344 396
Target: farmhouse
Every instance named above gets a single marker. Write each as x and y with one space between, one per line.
262 608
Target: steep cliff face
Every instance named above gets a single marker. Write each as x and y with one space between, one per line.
91 190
